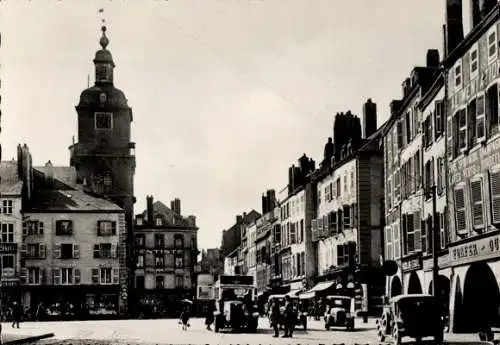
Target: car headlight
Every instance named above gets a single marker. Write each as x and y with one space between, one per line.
255 314
305 314
348 315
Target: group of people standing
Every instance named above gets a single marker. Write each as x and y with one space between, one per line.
287 319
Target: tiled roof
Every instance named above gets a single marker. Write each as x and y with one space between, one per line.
159 208
69 201
10 182
66 175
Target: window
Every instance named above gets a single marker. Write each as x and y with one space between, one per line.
66 276
64 228
7 261
159 260
179 282
442 231
474 63
107 180
458 74
7 233
179 241
33 228
102 73
67 251
410 233
179 261
7 206
103 120
36 251
333 222
462 129
471 123
140 240
440 176
159 221
338 187
460 209
480 118
495 196
389 253
302 230
105 275
417 170
417 231
327 194
293 234
395 243
492 45
104 251
492 108
140 261
139 282
34 275
160 282
439 118
476 193
345 184
159 241
139 221
106 228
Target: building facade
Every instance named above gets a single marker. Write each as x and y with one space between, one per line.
166 251
104 156
263 242
473 139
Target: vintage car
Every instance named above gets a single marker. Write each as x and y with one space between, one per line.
235 307
416 316
339 312
300 312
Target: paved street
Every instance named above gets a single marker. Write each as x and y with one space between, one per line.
169 332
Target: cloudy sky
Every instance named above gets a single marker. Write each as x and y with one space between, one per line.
226 94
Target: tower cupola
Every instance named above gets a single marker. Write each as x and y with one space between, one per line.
103 61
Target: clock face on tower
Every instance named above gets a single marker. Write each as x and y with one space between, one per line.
103 120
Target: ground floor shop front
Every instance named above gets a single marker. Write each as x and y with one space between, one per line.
159 303
71 302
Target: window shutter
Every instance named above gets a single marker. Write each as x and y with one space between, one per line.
113 228
354 212
57 250
97 251
25 228
76 251
77 276
114 251
95 276
43 251
495 196
99 227
418 230
433 176
476 190
333 225
23 276
340 255
116 275
424 232
340 221
23 249
410 223
450 135
388 243
56 276
439 176
460 211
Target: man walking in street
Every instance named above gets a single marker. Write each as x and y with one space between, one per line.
17 312
275 317
288 318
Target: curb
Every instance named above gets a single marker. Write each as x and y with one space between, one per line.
29 339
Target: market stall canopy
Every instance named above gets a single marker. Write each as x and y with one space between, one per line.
318 287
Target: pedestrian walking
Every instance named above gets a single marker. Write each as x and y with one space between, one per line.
275 314
185 318
209 319
17 311
288 318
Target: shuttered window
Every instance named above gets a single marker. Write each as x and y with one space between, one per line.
389 254
495 196
480 118
410 234
396 244
476 192
417 221
460 211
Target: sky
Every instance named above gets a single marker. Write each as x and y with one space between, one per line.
226 94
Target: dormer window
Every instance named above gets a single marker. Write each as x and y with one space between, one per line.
159 221
64 228
103 120
139 221
102 73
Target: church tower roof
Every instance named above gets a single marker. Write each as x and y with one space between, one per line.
103 55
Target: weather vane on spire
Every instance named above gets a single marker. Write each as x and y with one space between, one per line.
104 40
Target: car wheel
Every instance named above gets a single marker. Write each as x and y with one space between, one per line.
327 326
396 336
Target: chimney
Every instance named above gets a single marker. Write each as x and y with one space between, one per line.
192 220
271 199
328 153
454 25
290 180
395 106
369 118
432 58
20 161
149 207
264 204
406 87
49 172
177 205
304 168
475 15
239 219
312 165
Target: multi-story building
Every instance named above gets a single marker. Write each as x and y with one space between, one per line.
348 222
11 220
71 247
263 241
231 238
231 263
166 250
104 156
473 149
212 262
248 237
297 257
404 193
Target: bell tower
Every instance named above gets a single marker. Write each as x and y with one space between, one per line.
104 156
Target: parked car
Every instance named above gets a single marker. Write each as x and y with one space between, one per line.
416 316
339 312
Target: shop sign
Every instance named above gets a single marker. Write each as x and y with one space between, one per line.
482 249
9 283
412 264
443 261
8 248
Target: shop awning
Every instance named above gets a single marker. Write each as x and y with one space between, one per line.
293 293
318 287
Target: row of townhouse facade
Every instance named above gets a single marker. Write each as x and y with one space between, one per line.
322 234
442 172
